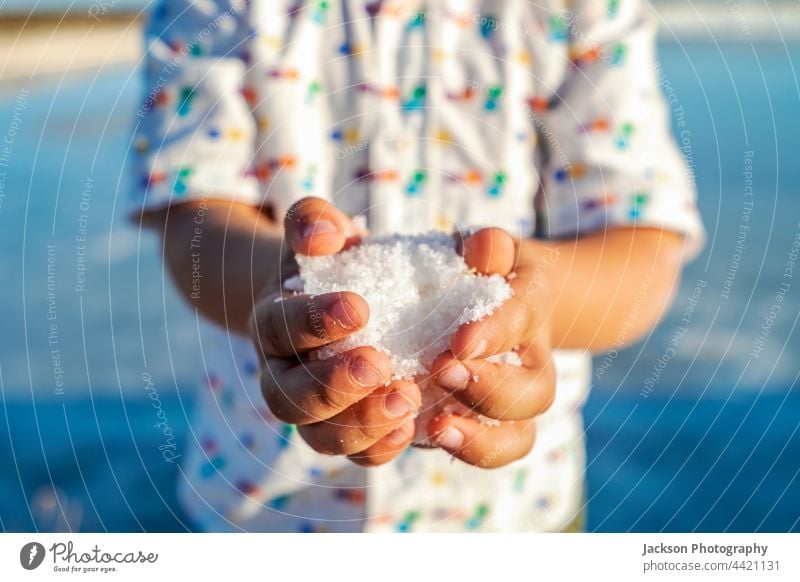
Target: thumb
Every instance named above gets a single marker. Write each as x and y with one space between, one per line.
489 251
313 226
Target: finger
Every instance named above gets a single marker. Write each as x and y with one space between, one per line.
387 448
480 444
490 251
314 226
499 391
361 425
317 390
503 330
291 325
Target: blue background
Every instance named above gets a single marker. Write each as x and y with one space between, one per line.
715 447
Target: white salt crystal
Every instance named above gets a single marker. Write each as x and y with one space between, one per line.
418 288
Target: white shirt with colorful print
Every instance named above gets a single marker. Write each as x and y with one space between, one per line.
544 118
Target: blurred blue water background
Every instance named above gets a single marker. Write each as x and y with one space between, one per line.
706 440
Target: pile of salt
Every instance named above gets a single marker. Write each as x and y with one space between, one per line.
418 288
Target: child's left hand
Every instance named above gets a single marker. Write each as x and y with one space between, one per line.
514 395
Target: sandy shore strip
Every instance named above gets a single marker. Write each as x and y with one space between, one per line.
35 49
39 47
729 21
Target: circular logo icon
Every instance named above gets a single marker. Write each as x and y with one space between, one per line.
31 555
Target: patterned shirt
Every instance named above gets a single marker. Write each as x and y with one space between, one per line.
544 118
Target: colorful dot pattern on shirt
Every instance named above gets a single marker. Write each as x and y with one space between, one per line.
506 100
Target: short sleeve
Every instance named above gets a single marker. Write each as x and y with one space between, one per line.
195 134
610 157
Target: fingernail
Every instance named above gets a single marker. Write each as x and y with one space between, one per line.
318 227
455 377
402 433
451 439
397 404
365 373
344 315
478 351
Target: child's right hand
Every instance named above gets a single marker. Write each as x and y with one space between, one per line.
341 405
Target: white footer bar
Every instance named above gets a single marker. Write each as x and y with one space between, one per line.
385 558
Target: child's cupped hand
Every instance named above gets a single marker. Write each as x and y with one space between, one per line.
346 405
513 395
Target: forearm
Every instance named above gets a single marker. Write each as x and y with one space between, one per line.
608 289
220 255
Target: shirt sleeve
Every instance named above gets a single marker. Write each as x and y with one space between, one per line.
610 158
195 134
